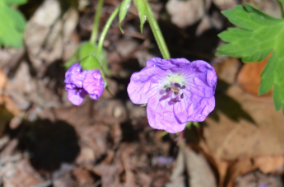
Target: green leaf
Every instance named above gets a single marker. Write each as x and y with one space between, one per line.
141 7
12 26
257 34
122 12
281 1
15 2
90 62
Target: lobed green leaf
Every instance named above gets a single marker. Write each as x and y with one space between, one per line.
256 35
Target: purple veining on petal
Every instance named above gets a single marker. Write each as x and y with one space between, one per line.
176 91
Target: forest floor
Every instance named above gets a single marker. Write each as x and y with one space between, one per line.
45 141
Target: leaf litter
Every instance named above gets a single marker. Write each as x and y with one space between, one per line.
45 141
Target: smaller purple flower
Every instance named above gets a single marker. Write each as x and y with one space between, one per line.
79 83
176 91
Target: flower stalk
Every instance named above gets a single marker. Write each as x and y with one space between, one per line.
106 27
96 22
157 32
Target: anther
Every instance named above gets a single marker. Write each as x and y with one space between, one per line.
177 85
168 89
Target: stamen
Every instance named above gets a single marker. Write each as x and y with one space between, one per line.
183 87
177 85
181 96
176 99
168 89
165 96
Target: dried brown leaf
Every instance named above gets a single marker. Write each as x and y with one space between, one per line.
249 76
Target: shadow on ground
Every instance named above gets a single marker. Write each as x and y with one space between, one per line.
49 144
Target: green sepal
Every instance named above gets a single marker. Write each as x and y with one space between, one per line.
122 12
188 124
164 133
141 7
83 51
90 62
196 124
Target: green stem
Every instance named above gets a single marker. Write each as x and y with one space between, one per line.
281 8
157 32
96 22
104 32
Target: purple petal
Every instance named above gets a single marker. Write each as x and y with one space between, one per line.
144 84
201 108
161 116
76 96
170 64
93 83
75 75
180 110
201 78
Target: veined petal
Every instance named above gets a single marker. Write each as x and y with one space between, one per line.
201 78
202 108
181 110
173 65
161 116
144 84
76 96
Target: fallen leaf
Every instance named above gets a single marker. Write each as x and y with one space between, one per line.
249 76
273 164
198 169
244 126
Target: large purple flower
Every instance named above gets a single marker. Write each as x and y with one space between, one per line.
79 83
175 90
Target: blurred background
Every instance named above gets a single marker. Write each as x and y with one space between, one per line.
45 141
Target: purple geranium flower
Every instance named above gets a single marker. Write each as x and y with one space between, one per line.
175 90
79 83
